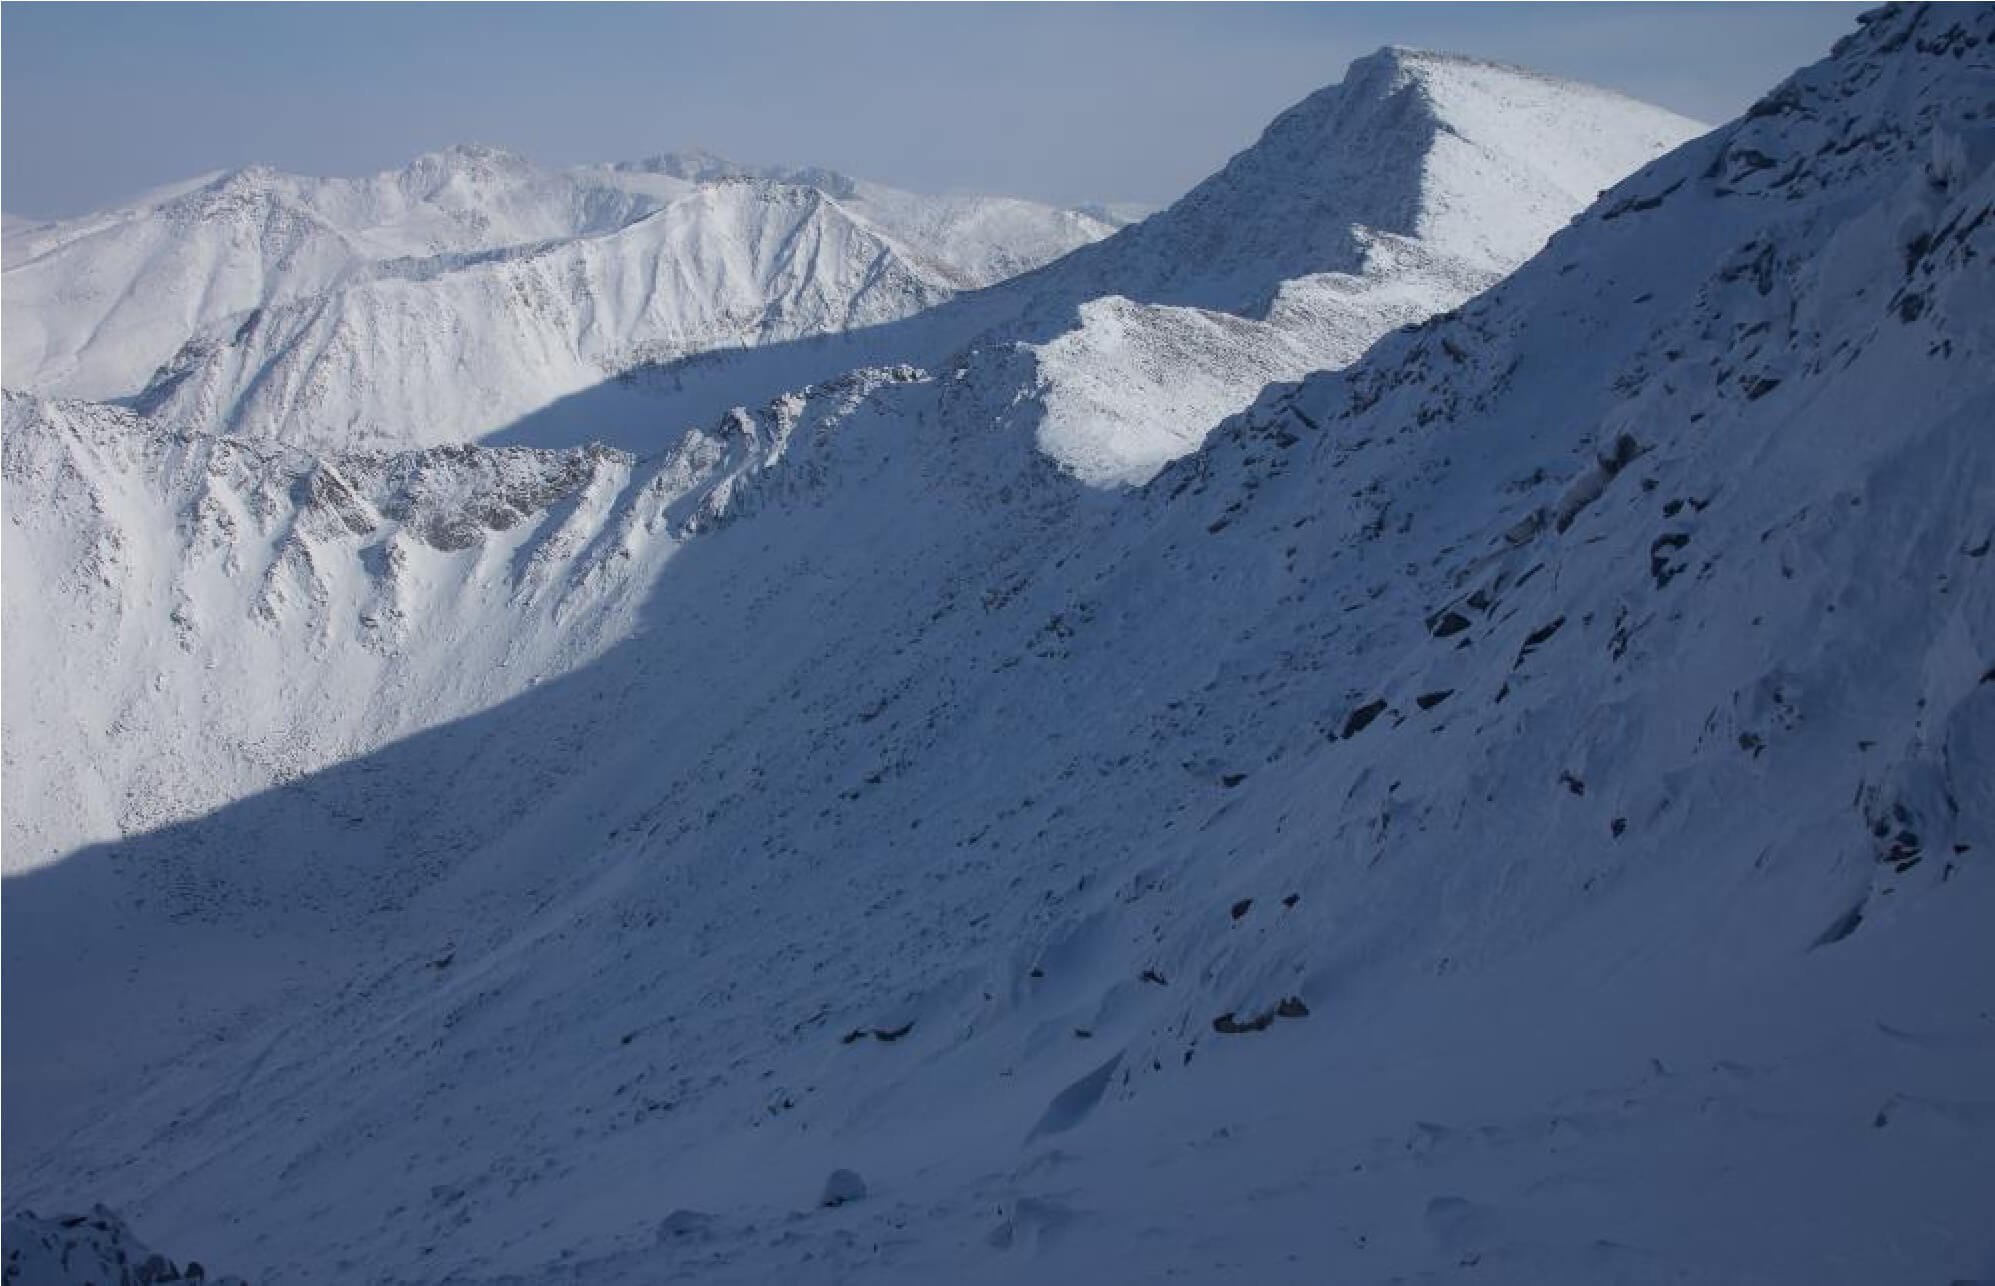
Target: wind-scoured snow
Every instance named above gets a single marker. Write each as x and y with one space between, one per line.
1517 809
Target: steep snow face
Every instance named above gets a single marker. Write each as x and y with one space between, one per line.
1483 160
231 574
1380 201
1521 803
95 305
308 607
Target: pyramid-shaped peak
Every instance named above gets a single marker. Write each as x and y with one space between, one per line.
1449 80
1480 160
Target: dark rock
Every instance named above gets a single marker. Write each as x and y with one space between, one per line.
1361 718
1450 624
1227 1025
1538 636
1660 567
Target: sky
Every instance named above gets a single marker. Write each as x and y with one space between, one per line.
1071 103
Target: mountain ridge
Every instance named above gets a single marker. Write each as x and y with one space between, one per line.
98 302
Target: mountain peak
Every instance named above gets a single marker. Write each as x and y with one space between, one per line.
1403 59
1480 160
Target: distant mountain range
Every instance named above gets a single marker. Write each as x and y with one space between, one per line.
474 254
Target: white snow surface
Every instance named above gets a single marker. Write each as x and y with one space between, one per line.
1517 809
513 283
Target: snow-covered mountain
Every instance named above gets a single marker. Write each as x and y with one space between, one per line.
1347 218
1343 221
446 356
986 238
1416 182
137 527
1480 160
663 256
1517 807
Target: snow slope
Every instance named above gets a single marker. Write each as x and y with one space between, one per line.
1516 808
1111 399
96 305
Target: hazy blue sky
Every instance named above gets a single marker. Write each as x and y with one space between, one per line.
1068 103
